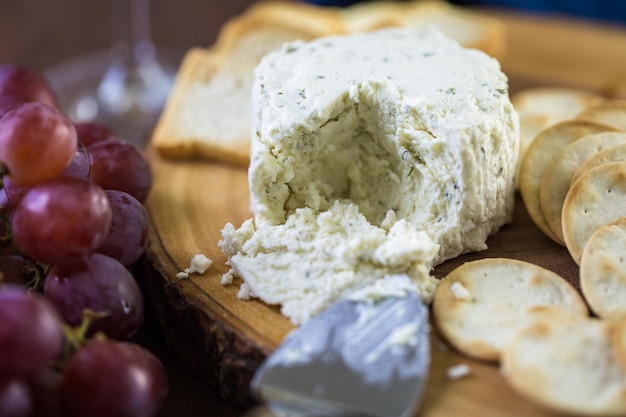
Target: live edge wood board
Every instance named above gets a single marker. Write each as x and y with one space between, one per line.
224 339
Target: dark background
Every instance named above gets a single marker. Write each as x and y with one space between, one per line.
43 33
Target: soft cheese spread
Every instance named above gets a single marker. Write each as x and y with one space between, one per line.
372 154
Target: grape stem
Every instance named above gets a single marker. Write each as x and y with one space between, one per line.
76 337
34 275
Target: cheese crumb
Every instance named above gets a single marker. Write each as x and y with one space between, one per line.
406 335
458 371
199 264
245 292
227 278
460 292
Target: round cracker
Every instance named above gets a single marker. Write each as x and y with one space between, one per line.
540 155
618 338
597 198
567 363
603 270
557 103
529 127
541 107
558 177
608 112
480 304
605 156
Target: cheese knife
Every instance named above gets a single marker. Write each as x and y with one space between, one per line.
356 358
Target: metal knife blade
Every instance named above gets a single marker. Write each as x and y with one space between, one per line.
354 359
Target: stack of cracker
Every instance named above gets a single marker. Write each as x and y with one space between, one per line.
563 349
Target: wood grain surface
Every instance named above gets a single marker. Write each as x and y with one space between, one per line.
224 339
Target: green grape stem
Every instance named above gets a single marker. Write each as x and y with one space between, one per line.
76 337
34 275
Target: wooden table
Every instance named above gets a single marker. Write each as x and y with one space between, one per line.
41 34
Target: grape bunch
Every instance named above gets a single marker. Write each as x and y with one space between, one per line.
72 223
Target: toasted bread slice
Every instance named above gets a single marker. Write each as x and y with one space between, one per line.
193 124
264 27
208 112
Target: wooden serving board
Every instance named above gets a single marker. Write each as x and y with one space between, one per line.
224 339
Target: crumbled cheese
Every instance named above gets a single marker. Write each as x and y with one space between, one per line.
405 335
228 277
199 264
245 292
390 286
460 292
315 259
458 371
233 239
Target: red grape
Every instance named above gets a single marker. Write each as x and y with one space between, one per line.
13 191
128 234
109 378
37 143
61 221
31 336
80 164
4 200
25 85
78 168
93 132
48 399
101 285
118 165
15 398
7 103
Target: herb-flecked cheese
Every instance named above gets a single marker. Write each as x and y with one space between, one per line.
388 126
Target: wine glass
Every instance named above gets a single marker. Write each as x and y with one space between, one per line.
124 87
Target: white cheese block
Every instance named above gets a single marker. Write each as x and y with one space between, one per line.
381 127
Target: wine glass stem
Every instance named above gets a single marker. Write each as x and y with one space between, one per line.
132 42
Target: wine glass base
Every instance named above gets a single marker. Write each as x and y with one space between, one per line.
76 83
